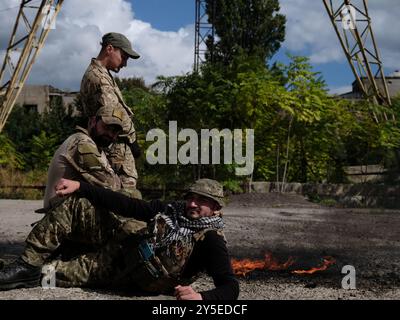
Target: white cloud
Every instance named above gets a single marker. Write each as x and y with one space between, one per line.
340 90
8 12
164 53
78 32
309 28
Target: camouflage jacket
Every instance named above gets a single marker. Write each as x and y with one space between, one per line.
98 89
78 158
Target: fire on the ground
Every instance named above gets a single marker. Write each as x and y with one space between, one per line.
243 267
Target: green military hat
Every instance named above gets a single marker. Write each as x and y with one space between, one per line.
208 188
118 40
111 116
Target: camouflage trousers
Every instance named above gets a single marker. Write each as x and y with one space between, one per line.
85 245
123 163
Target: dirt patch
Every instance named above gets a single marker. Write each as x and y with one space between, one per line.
270 200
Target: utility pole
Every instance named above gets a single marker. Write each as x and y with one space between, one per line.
203 31
352 25
30 31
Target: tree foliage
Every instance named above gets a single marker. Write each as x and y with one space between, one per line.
35 136
43 147
301 133
9 157
250 27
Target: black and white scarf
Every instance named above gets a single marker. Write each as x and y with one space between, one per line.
181 228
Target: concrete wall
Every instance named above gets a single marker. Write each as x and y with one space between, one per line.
363 173
393 84
34 95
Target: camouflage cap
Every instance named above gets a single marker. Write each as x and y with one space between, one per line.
118 40
110 116
208 188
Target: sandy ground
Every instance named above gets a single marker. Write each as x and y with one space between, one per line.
285 225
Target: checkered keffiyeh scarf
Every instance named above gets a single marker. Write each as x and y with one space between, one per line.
181 228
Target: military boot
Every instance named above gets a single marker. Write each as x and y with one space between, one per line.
19 274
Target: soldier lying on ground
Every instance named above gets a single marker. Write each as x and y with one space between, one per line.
172 244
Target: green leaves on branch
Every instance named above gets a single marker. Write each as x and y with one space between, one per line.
43 147
245 27
9 157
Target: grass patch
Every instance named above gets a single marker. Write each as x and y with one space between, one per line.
16 184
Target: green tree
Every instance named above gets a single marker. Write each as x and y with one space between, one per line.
126 84
59 120
43 147
9 157
21 125
250 27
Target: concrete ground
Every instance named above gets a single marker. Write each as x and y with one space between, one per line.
256 224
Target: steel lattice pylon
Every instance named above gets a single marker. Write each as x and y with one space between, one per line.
30 31
204 29
352 24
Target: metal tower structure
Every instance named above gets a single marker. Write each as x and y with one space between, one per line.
352 25
204 29
30 31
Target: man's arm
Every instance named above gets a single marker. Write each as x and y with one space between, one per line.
212 255
110 200
92 165
107 97
98 90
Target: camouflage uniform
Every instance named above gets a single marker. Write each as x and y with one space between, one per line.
98 88
78 158
82 242
108 254
113 255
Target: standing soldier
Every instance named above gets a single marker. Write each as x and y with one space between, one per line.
99 89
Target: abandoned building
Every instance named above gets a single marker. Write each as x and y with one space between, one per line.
40 97
393 83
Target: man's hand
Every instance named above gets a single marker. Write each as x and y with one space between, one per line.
186 293
65 186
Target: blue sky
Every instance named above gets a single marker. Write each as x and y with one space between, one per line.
167 15
162 31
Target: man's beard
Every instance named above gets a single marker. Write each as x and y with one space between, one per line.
193 213
101 141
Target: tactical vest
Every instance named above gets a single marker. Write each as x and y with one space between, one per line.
159 269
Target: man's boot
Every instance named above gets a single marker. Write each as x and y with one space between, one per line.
19 274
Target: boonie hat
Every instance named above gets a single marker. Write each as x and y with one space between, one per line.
208 188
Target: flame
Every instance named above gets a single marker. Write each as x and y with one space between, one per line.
327 261
272 263
242 267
